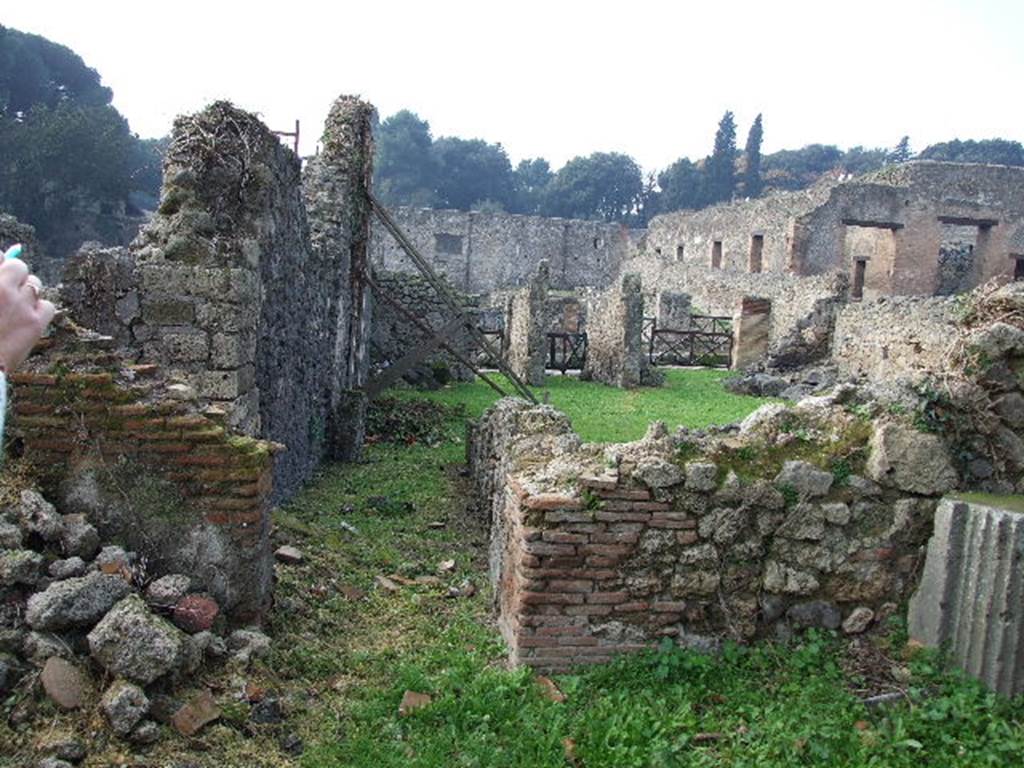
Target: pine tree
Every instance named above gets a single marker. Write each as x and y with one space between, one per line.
901 152
721 171
752 152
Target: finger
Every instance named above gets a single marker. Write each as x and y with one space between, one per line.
46 311
30 292
13 272
33 280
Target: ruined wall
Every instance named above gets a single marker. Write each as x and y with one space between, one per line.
394 336
901 337
485 252
689 237
13 231
600 550
526 327
151 466
616 354
803 308
895 220
226 290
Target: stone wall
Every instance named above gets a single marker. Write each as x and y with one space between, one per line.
151 466
750 329
526 328
616 354
598 550
894 221
394 336
970 593
226 289
485 252
901 337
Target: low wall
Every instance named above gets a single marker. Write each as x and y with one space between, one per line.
969 600
599 550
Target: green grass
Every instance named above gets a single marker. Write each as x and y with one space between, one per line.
694 398
340 665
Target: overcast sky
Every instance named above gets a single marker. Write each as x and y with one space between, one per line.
561 78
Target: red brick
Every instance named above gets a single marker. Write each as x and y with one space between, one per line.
607 550
40 379
202 460
636 607
530 561
576 630
607 598
580 641
661 619
231 504
622 517
598 483
49 444
615 538
559 516
600 561
687 537
550 598
543 548
562 562
626 494
533 585
536 642
625 528
575 585
635 506
552 501
586 528
43 422
89 378
587 610
530 534
27 408
559 537
515 487
188 422
674 525
166 448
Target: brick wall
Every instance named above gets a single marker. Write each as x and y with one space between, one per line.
526 323
153 468
599 550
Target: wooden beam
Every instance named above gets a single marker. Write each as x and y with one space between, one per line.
967 221
893 225
393 373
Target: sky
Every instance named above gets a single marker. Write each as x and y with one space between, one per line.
561 78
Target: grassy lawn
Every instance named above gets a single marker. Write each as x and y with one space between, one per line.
346 647
694 398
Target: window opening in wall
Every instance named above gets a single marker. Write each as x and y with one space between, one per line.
956 257
716 254
450 245
859 268
756 251
679 253
1018 266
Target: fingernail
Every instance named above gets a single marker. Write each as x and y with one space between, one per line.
14 252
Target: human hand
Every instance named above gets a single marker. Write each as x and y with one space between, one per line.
23 315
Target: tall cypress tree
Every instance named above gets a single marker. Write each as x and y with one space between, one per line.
752 151
720 167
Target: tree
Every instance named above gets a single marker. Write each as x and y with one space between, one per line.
752 158
529 179
35 71
858 160
682 186
721 166
799 168
901 152
405 168
604 185
991 151
471 171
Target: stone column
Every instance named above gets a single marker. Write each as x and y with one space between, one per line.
526 328
674 310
